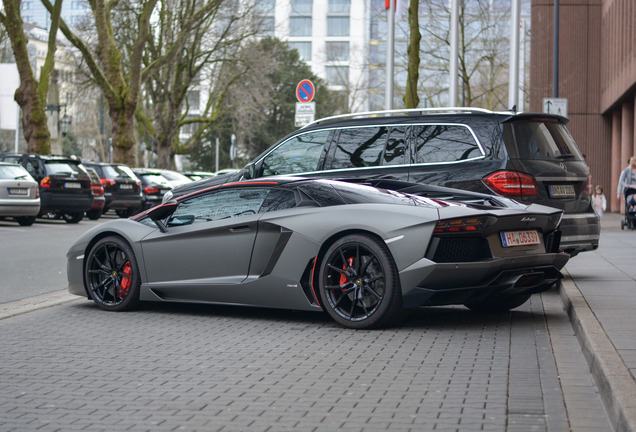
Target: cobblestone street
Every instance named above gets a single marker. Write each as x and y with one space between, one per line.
184 367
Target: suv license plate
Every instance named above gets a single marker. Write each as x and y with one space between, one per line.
125 186
72 186
519 238
18 191
562 191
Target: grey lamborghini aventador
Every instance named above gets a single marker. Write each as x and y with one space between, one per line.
362 254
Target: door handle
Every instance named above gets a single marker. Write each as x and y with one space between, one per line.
238 229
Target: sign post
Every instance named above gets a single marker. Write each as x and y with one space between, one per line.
305 108
556 106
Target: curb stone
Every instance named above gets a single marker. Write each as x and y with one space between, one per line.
616 384
8 310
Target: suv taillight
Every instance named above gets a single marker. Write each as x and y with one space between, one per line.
108 182
151 190
46 182
512 184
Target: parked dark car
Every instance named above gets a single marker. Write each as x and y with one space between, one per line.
122 189
527 157
65 187
153 186
99 200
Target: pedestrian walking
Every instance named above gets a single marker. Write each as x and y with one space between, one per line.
598 200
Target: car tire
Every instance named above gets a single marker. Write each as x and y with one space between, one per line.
25 220
72 217
359 284
94 214
499 305
111 275
124 213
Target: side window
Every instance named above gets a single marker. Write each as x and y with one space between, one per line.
443 143
219 205
300 153
358 148
278 199
395 152
32 167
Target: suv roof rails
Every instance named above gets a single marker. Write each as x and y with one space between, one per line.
402 112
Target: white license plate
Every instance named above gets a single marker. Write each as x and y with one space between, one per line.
18 191
519 238
125 186
562 191
72 185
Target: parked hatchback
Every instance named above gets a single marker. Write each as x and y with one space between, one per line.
527 157
19 194
153 185
65 187
122 189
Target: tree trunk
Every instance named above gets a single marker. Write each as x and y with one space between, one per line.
411 99
34 121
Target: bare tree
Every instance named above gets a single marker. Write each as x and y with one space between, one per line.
186 94
117 66
32 93
482 52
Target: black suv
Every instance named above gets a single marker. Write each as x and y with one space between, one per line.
122 189
65 187
527 157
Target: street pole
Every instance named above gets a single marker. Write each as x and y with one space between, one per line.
513 81
390 47
555 60
454 53
217 155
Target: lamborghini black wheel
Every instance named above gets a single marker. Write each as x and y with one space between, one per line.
112 275
359 283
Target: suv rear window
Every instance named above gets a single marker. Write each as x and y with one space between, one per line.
540 140
114 171
61 167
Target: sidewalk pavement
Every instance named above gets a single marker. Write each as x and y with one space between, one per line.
599 294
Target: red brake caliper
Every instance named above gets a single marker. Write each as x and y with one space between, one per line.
343 278
125 280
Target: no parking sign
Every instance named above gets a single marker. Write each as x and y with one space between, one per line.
305 91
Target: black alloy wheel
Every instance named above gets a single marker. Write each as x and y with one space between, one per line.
94 214
111 275
359 283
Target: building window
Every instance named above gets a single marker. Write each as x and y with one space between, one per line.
300 26
303 48
266 26
337 75
337 26
337 51
339 6
301 7
26 5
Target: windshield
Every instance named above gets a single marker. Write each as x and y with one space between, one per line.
541 139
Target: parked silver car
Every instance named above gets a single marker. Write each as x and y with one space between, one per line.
19 194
